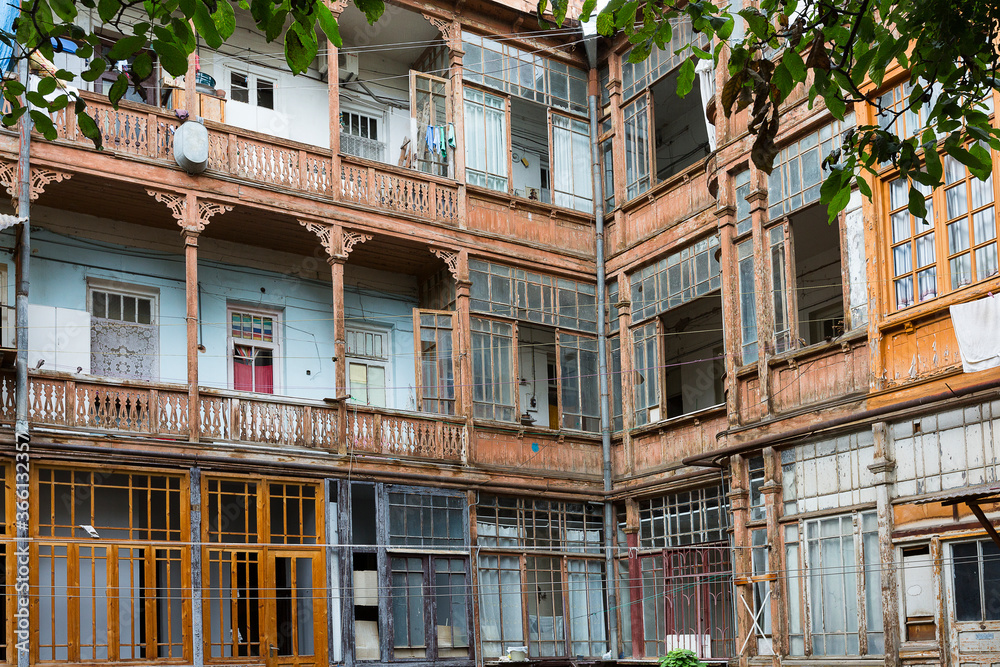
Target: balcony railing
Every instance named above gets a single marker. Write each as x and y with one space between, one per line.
161 411
396 434
148 132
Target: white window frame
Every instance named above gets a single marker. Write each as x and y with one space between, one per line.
126 290
8 339
275 346
253 75
384 362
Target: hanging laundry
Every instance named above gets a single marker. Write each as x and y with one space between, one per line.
429 138
451 135
442 132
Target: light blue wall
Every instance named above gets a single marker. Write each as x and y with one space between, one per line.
61 265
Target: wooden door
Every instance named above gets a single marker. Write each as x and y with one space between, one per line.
295 624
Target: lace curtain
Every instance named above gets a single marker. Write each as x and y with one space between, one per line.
126 351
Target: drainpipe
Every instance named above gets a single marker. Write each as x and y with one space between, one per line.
602 361
21 435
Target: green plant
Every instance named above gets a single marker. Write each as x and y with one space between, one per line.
680 657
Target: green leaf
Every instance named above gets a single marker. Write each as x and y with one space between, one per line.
793 61
864 188
782 79
976 161
835 104
205 26
626 15
173 59
125 47
64 9
89 129
299 49
917 205
225 18
328 23
587 10
685 77
118 90
605 24
143 65
107 9
372 9
46 86
43 124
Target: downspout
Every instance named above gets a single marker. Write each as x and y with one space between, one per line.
22 437
602 359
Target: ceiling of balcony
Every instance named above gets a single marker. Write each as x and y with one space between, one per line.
256 227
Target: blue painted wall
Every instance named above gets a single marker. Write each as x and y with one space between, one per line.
61 265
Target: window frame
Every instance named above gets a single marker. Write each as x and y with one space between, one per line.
469 145
439 399
542 532
68 548
370 361
887 175
799 581
126 290
253 78
277 385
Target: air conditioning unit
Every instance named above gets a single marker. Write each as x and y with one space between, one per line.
347 66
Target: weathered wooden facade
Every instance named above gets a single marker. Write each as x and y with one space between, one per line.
336 399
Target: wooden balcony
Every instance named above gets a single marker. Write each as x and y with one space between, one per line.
161 412
146 132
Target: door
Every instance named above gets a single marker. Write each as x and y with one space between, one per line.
431 113
295 624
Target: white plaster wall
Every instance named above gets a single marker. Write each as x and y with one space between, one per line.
829 473
947 450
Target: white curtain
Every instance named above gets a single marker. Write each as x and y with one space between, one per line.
571 173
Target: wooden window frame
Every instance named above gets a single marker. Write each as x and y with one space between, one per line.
275 345
112 546
436 398
543 532
265 551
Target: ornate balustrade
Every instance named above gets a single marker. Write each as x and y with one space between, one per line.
126 408
273 421
162 411
399 190
397 434
145 131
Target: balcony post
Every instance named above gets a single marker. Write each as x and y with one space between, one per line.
192 216
191 290
340 348
627 366
333 90
463 286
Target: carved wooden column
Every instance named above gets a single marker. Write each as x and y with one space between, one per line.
627 366
739 503
635 607
192 216
762 301
338 243
337 7
884 468
731 327
458 265
775 555
618 126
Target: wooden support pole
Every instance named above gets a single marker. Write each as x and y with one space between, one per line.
339 344
463 286
197 643
882 469
191 289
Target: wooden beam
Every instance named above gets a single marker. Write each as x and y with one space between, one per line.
987 525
